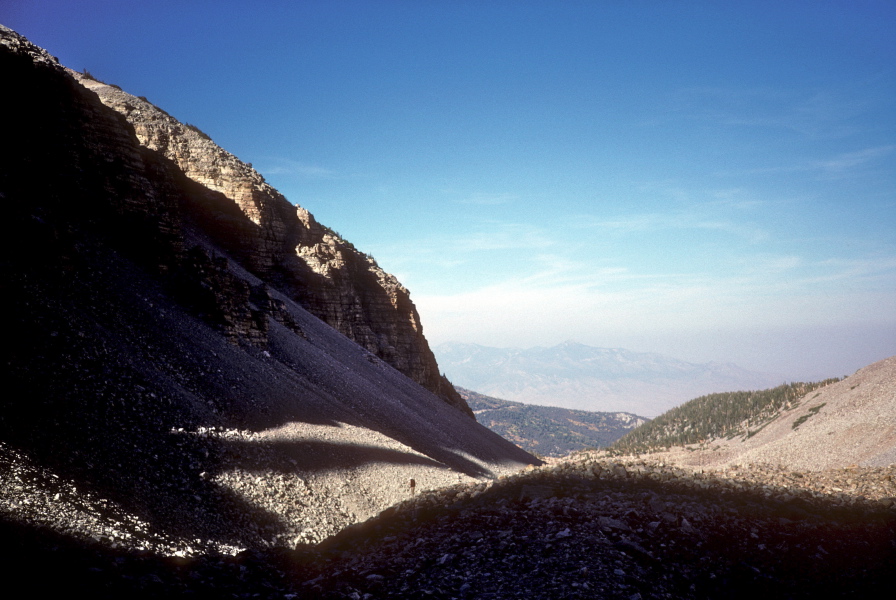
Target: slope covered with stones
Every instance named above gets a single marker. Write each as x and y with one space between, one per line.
588 527
162 395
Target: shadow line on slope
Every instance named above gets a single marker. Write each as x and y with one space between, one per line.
311 456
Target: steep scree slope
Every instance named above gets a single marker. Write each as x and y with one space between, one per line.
161 394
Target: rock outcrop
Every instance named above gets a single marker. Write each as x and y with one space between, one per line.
177 179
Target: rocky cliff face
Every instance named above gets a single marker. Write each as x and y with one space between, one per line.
176 184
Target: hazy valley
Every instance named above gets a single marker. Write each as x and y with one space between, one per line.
581 377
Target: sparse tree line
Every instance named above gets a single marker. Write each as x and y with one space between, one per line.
723 415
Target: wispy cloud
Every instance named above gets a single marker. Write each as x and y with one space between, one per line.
838 165
816 113
850 160
769 265
505 236
286 166
735 198
488 199
562 303
676 220
468 249
857 271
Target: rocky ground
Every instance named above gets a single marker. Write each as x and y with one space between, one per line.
588 527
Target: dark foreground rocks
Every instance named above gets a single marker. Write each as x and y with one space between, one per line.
590 529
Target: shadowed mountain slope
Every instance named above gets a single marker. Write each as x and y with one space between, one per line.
169 387
197 186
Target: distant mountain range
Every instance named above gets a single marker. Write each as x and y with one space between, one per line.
576 376
549 430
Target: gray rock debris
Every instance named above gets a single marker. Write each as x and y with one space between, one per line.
591 532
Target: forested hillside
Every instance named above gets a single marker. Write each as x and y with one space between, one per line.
728 415
549 430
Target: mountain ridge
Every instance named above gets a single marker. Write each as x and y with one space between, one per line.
577 376
549 430
283 243
852 419
715 416
176 426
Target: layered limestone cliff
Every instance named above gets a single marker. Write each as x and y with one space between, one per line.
168 180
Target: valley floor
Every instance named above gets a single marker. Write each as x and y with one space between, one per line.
589 527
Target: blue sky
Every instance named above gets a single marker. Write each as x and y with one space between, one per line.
710 180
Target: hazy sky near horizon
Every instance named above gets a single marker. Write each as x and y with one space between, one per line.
709 180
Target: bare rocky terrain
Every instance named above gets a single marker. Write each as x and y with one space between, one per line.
590 526
850 422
